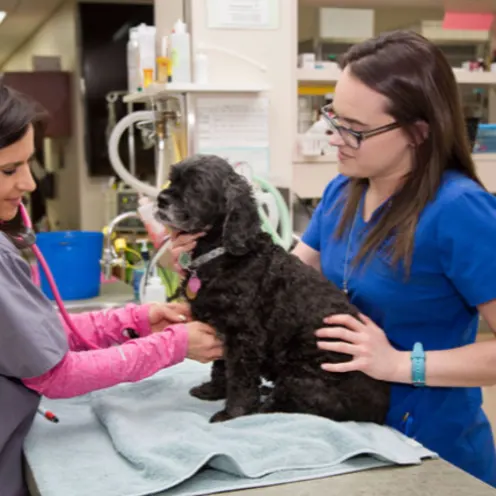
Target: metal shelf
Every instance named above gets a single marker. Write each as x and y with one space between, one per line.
156 91
319 76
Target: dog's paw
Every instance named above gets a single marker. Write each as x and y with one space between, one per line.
208 392
220 416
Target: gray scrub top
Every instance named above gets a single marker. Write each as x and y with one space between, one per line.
32 341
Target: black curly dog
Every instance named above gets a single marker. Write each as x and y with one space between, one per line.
264 303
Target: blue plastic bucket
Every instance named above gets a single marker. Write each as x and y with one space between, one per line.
74 260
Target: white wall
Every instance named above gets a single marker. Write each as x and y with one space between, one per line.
274 48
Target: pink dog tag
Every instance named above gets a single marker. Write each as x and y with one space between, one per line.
194 285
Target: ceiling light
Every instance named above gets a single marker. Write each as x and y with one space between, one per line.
3 15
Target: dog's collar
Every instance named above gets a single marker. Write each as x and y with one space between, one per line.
187 263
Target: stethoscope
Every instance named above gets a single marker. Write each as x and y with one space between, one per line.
27 239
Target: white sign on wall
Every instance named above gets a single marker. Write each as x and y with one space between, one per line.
345 23
236 129
243 14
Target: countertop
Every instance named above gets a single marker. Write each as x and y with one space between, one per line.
112 294
432 477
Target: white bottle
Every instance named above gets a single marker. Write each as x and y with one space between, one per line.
180 48
154 291
133 62
201 68
147 51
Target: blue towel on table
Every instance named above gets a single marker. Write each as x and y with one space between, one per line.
144 438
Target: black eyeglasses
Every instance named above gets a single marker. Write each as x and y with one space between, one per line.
351 137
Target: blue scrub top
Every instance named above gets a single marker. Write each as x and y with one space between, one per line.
453 270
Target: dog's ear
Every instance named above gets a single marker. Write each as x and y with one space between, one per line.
242 221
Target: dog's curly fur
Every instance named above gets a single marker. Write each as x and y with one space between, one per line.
264 303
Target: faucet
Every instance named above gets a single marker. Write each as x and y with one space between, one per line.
110 256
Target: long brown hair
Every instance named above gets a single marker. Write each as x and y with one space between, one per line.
420 85
17 113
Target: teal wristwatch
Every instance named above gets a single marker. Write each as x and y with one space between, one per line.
418 365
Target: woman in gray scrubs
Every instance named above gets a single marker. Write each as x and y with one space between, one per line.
38 354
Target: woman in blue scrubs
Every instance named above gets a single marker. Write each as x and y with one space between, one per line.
409 232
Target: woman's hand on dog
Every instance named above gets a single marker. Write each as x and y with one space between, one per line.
366 342
203 344
180 243
161 315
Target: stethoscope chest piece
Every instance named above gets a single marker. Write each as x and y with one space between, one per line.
24 239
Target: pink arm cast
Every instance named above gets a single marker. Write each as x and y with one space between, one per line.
85 371
106 328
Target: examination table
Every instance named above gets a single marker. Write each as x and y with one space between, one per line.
432 476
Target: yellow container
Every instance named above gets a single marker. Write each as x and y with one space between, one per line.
164 69
147 77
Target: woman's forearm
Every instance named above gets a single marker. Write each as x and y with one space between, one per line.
85 371
473 365
106 328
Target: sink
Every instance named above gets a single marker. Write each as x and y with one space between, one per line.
112 295
91 306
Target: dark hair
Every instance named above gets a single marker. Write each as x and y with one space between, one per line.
420 85
17 113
